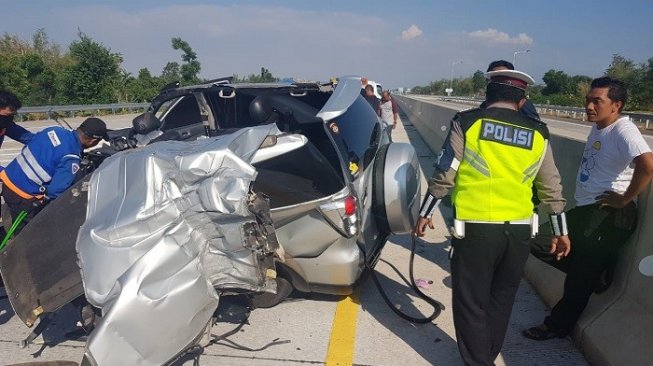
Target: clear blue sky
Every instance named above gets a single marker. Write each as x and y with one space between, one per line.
398 43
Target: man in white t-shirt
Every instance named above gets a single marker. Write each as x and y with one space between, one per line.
389 111
617 165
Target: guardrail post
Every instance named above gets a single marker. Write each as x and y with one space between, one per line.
647 124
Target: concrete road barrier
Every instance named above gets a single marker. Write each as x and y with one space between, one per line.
615 328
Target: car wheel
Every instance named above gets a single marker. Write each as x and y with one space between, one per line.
268 300
378 196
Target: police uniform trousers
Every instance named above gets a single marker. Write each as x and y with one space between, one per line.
486 268
596 236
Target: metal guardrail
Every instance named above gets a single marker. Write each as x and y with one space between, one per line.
643 119
72 109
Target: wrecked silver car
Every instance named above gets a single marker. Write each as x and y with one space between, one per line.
166 226
167 216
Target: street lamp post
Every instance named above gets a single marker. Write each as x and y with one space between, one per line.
450 89
514 56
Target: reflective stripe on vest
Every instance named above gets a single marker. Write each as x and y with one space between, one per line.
495 178
19 192
31 167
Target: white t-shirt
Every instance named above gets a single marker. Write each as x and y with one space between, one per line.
386 113
607 162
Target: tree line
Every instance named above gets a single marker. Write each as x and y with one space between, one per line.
562 89
39 72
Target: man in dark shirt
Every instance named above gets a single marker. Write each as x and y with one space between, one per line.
368 94
9 105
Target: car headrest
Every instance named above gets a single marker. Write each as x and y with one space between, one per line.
261 109
145 123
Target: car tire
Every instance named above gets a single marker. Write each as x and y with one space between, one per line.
378 189
268 300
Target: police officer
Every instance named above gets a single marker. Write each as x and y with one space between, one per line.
46 166
492 158
528 108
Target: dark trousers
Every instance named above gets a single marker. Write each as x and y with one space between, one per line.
486 268
596 236
16 204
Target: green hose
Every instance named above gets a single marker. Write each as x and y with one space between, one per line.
21 216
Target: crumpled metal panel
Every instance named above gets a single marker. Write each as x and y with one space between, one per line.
166 224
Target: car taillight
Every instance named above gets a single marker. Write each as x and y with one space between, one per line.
350 205
341 214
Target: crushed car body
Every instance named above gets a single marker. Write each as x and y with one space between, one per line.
166 225
161 205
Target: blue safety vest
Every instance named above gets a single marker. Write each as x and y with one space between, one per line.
46 166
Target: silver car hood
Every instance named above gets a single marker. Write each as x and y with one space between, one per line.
167 224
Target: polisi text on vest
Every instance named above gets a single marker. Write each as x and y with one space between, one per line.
507 134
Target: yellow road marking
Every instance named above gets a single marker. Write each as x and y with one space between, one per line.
343 331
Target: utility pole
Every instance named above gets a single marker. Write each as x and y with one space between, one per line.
449 90
514 56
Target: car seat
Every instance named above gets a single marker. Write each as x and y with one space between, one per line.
145 128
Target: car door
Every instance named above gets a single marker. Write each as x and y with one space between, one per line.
184 118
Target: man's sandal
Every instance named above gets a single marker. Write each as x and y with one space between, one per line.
539 334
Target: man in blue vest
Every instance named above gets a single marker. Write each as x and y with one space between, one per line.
492 158
46 166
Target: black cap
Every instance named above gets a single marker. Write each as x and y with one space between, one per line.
94 128
500 63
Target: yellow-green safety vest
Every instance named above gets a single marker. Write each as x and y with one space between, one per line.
501 159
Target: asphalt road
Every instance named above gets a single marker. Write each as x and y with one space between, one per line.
332 330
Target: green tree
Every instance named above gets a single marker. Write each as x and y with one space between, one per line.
40 80
478 82
122 89
50 52
641 88
463 86
29 68
438 87
92 76
13 77
621 68
264 77
557 82
581 86
582 89
191 68
145 87
171 72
